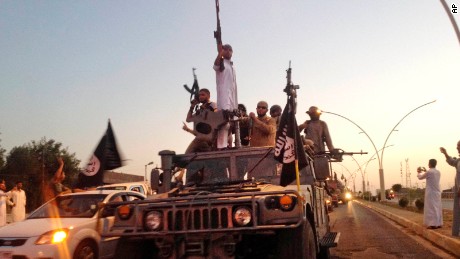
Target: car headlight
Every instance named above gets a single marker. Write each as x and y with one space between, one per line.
153 220
53 237
348 195
242 216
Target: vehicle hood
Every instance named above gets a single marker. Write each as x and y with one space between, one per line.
36 227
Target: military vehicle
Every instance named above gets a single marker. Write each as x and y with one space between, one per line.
229 203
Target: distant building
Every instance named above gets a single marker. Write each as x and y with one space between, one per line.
111 177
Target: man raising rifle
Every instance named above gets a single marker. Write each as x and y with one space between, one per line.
226 85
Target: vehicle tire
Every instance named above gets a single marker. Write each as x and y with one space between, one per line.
297 243
86 250
135 249
324 253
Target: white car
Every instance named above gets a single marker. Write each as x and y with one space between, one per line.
64 227
141 187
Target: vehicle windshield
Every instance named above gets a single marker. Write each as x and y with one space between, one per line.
118 188
260 167
70 206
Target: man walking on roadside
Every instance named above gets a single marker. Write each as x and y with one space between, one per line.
455 162
432 210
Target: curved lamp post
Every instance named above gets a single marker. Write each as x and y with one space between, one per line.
360 168
452 19
372 158
380 156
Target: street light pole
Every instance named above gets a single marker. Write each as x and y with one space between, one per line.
382 186
361 170
380 156
370 159
145 177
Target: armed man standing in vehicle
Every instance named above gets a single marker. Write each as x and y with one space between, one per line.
275 113
200 143
226 89
317 131
263 130
316 134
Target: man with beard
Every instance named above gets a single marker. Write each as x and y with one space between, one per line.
263 130
199 144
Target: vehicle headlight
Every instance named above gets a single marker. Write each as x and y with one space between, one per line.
287 202
153 220
53 237
242 216
348 195
124 211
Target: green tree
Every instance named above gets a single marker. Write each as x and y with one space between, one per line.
2 155
396 187
35 164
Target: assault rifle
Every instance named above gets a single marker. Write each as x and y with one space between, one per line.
291 89
218 35
218 32
336 155
195 88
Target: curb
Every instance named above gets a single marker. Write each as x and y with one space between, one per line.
448 243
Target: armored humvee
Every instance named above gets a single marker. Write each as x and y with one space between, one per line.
229 204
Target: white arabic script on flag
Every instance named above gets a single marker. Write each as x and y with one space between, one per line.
285 144
93 166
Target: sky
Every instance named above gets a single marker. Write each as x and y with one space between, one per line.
67 67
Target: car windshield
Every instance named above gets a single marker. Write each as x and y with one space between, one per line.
70 206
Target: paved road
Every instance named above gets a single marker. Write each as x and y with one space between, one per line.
366 234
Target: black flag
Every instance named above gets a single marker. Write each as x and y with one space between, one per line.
105 157
289 147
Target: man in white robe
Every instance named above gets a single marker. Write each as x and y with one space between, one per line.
455 162
432 211
18 197
4 200
226 89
